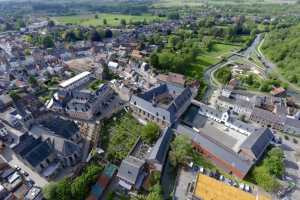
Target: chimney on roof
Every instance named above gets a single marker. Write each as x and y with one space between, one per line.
154 100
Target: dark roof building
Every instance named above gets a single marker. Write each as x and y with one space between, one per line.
255 144
130 173
61 127
33 151
220 155
163 104
230 161
160 150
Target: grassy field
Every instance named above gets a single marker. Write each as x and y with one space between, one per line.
219 51
112 19
178 3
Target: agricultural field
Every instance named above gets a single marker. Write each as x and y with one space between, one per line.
179 3
99 19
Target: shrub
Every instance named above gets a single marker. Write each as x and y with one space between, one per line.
295 140
286 137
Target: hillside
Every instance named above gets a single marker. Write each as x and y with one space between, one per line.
283 47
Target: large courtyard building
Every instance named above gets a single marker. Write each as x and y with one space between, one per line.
77 99
229 143
163 104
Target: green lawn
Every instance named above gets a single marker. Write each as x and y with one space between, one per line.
219 52
112 19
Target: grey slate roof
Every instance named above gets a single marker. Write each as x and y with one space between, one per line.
237 102
32 150
267 115
130 169
218 150
258 141
144 101
65 147
242 125
61 127
212 111
161 147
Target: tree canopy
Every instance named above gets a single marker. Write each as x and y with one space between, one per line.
181 150
282 46
76 189
150 132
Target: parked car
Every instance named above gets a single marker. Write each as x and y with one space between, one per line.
235 184
24 173
242 186
217 175
221 178
247 188
202 170
17 168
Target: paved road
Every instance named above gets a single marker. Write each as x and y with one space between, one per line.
293 89
246 53
234 57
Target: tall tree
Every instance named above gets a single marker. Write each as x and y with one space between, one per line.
94 36
181 149
150 132
154 60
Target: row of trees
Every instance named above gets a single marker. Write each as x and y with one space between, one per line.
48 41
76 189
92 35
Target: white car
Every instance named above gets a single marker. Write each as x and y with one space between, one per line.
221 178
242 186
247 188
17 167
201 170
